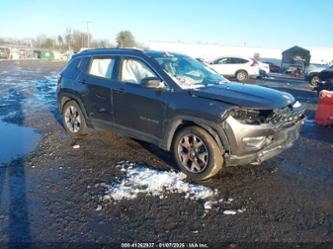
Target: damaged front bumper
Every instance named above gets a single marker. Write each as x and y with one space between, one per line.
253 144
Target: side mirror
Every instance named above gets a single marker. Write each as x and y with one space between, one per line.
152 82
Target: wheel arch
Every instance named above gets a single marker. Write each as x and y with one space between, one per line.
181 123
65 98
314 74
239 70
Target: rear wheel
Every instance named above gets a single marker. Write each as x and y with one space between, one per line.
197 153
314 80
242 75
74 120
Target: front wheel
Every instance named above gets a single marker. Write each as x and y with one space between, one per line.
197 153
242 76
74 120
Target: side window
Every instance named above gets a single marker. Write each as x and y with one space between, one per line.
102 67
238 61
134 71
223 61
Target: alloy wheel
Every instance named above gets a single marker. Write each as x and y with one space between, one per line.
72 119
193 153
241 76
314 80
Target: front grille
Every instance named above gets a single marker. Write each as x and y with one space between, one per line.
286 115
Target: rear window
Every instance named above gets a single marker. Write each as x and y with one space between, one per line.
84 64
102 67
71 69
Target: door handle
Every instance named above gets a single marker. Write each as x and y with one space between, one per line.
120 91
83 81
100 96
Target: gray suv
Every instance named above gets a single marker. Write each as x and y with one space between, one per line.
178 104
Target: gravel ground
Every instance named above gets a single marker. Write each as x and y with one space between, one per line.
55 193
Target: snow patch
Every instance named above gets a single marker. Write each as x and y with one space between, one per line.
233 212
144 180
229 212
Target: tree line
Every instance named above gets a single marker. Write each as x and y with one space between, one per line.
73 40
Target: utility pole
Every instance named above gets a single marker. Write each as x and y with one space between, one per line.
88 36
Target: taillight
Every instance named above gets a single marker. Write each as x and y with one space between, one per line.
254 63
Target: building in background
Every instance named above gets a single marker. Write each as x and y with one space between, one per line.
295 56
4 52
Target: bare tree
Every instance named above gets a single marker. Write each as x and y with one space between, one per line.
101 43
60 42
72 40
79 39
40 40
68 38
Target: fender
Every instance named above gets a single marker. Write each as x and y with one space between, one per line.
215 130
64 97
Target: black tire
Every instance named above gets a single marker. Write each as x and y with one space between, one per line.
198 166
242 75
314 80
74 120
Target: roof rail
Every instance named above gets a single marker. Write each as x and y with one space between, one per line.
135 48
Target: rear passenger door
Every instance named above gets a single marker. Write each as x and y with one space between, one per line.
98 81
138 110
223 66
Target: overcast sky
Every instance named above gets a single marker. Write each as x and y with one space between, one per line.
263 23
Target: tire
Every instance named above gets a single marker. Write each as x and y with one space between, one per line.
313 80
197 153
74 120
242 76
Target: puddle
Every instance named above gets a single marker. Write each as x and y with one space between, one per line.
16 141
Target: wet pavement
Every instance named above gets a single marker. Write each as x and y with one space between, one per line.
16 141
54 191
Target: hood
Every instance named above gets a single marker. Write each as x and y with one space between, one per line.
326 74
246 96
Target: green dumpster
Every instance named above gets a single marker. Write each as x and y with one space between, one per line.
46 55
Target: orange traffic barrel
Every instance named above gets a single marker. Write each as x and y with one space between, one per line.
324 113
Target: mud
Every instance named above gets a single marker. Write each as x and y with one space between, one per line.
54 193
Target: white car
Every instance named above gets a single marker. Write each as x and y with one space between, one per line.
239 67
264 67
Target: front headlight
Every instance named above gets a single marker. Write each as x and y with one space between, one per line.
297 104
246 116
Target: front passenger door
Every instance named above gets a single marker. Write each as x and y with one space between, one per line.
222 66
137 108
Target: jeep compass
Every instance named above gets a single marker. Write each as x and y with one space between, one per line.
179 104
